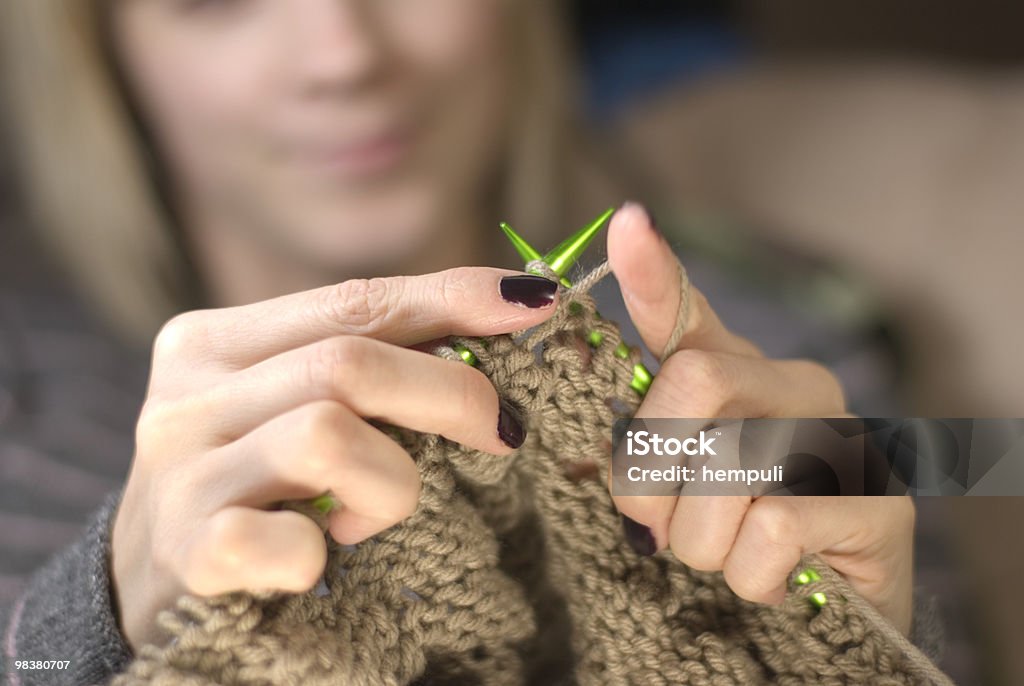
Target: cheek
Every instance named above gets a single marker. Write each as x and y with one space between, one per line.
198 99
445 34
458 65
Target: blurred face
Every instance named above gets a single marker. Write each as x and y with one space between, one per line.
343 132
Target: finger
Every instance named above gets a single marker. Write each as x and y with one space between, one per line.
239 548
700 530
703 529
319 446
852 533
697 384
648 274
404 310
395 385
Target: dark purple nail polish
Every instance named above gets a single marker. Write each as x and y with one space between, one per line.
510 426
639 537
528 290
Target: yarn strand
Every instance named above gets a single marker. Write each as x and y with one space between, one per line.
839 585
514 569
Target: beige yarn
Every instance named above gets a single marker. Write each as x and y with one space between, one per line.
514 570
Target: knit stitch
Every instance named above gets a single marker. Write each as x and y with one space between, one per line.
514 570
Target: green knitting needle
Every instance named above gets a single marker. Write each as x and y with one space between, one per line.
807 576
560 259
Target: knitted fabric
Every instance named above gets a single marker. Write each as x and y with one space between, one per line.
514 570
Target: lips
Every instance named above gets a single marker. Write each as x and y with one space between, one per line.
359 156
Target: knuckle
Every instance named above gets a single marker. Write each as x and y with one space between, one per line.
325 419
315 463
361 304
341 359
173 424
223 546
706 369
183 334
347 354
320 440
773 520
158 423
455 284
705 378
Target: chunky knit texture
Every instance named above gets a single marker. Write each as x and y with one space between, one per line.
514 570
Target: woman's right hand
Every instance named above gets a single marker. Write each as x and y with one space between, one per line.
250 406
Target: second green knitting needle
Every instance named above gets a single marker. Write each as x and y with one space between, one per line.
560 259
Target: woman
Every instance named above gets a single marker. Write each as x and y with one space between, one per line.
312 175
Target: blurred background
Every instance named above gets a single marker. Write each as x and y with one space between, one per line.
884 138
889 138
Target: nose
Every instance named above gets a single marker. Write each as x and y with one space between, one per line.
337 44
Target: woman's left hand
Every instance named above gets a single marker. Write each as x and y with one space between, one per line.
755 542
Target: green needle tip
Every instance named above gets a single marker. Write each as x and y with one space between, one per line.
807 576
561 259
525 250
642 379
819 599
466 354
324 503
565 254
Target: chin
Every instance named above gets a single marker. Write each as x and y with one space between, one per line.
372 238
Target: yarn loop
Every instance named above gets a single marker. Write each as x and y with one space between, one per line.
514 570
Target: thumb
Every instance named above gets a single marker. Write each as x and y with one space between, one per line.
648 274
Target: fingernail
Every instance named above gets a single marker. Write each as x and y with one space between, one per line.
639 537
651 219
510 426
528 290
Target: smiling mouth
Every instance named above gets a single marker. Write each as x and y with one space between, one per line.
363 157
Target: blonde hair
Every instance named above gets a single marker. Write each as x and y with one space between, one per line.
88 183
